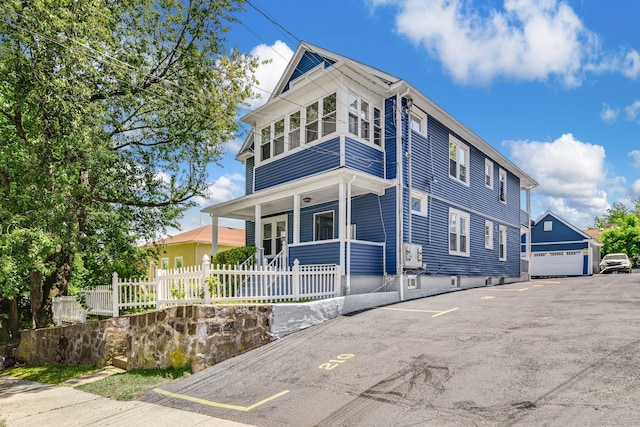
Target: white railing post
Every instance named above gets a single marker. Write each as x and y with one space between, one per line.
296 280
115 293
206 270
337 281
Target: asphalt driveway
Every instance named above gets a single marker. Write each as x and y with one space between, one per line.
547 352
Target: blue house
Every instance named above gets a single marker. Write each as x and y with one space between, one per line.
560 249
349 165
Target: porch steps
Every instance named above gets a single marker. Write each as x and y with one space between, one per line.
120 362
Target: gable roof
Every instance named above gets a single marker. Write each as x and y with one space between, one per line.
568 224
226 236
299 65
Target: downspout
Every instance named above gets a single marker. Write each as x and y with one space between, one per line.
348 282
399 198
409 161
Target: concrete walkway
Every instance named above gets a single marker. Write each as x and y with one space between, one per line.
26 403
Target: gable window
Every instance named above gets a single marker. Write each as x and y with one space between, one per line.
488 235
418 203
312 122
266 143
323 226
329 114
548 226
458 160
294 130
416 123
458 233
502 242
278 137
503 185
488 173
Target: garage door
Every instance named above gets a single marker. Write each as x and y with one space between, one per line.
557 263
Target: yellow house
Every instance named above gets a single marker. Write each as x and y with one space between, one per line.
187 249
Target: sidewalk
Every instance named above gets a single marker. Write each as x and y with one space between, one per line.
26 403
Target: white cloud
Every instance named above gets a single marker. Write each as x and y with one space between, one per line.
635 155
632 110
635 188
523 40
268 73
608 114
571 175
225 188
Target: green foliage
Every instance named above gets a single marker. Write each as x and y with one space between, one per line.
110 113
234 256
49 374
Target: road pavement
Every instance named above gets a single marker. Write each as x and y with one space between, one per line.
545 352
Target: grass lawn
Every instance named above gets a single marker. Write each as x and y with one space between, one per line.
49 374
132 384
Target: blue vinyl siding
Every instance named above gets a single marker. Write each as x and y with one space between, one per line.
367 214
574 246
313 160
249 169
433 235
364 158
366 259
560 238
326 253
250 232
306 220
390 137
308 62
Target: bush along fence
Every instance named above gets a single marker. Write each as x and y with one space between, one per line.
205 284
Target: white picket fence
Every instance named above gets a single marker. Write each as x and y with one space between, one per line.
205 284
67 309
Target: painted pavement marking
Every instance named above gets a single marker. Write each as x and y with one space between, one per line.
437 312
217 404
488 297
492 289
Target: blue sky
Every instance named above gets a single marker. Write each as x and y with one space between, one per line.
553 85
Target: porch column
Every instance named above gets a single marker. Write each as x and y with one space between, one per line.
214 235
258 233
296 218
342 224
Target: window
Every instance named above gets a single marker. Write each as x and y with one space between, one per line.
323 226
329 114
418 203
377 127
548 225
458 233
164 263
365 120
503 186
458 160
278 138
294 130
488 173
502 242
312 122
266 143
178 262
488 235
273 231
416 123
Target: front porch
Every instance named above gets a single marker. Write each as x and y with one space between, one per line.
311 220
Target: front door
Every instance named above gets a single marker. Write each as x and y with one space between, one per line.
274 232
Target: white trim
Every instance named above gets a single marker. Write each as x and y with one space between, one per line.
488 163
175 261
333 226
460 147
488 225
502 174
274 220
424 202
459 232
502 230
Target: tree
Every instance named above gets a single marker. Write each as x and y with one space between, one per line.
110 112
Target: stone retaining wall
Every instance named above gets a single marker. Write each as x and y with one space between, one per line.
198 335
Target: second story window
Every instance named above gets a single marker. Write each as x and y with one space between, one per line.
266 143
361 113
312 122
503 186
294 130
488 173
278 137
458 160
329 114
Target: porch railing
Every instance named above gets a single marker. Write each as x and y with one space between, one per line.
205 284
